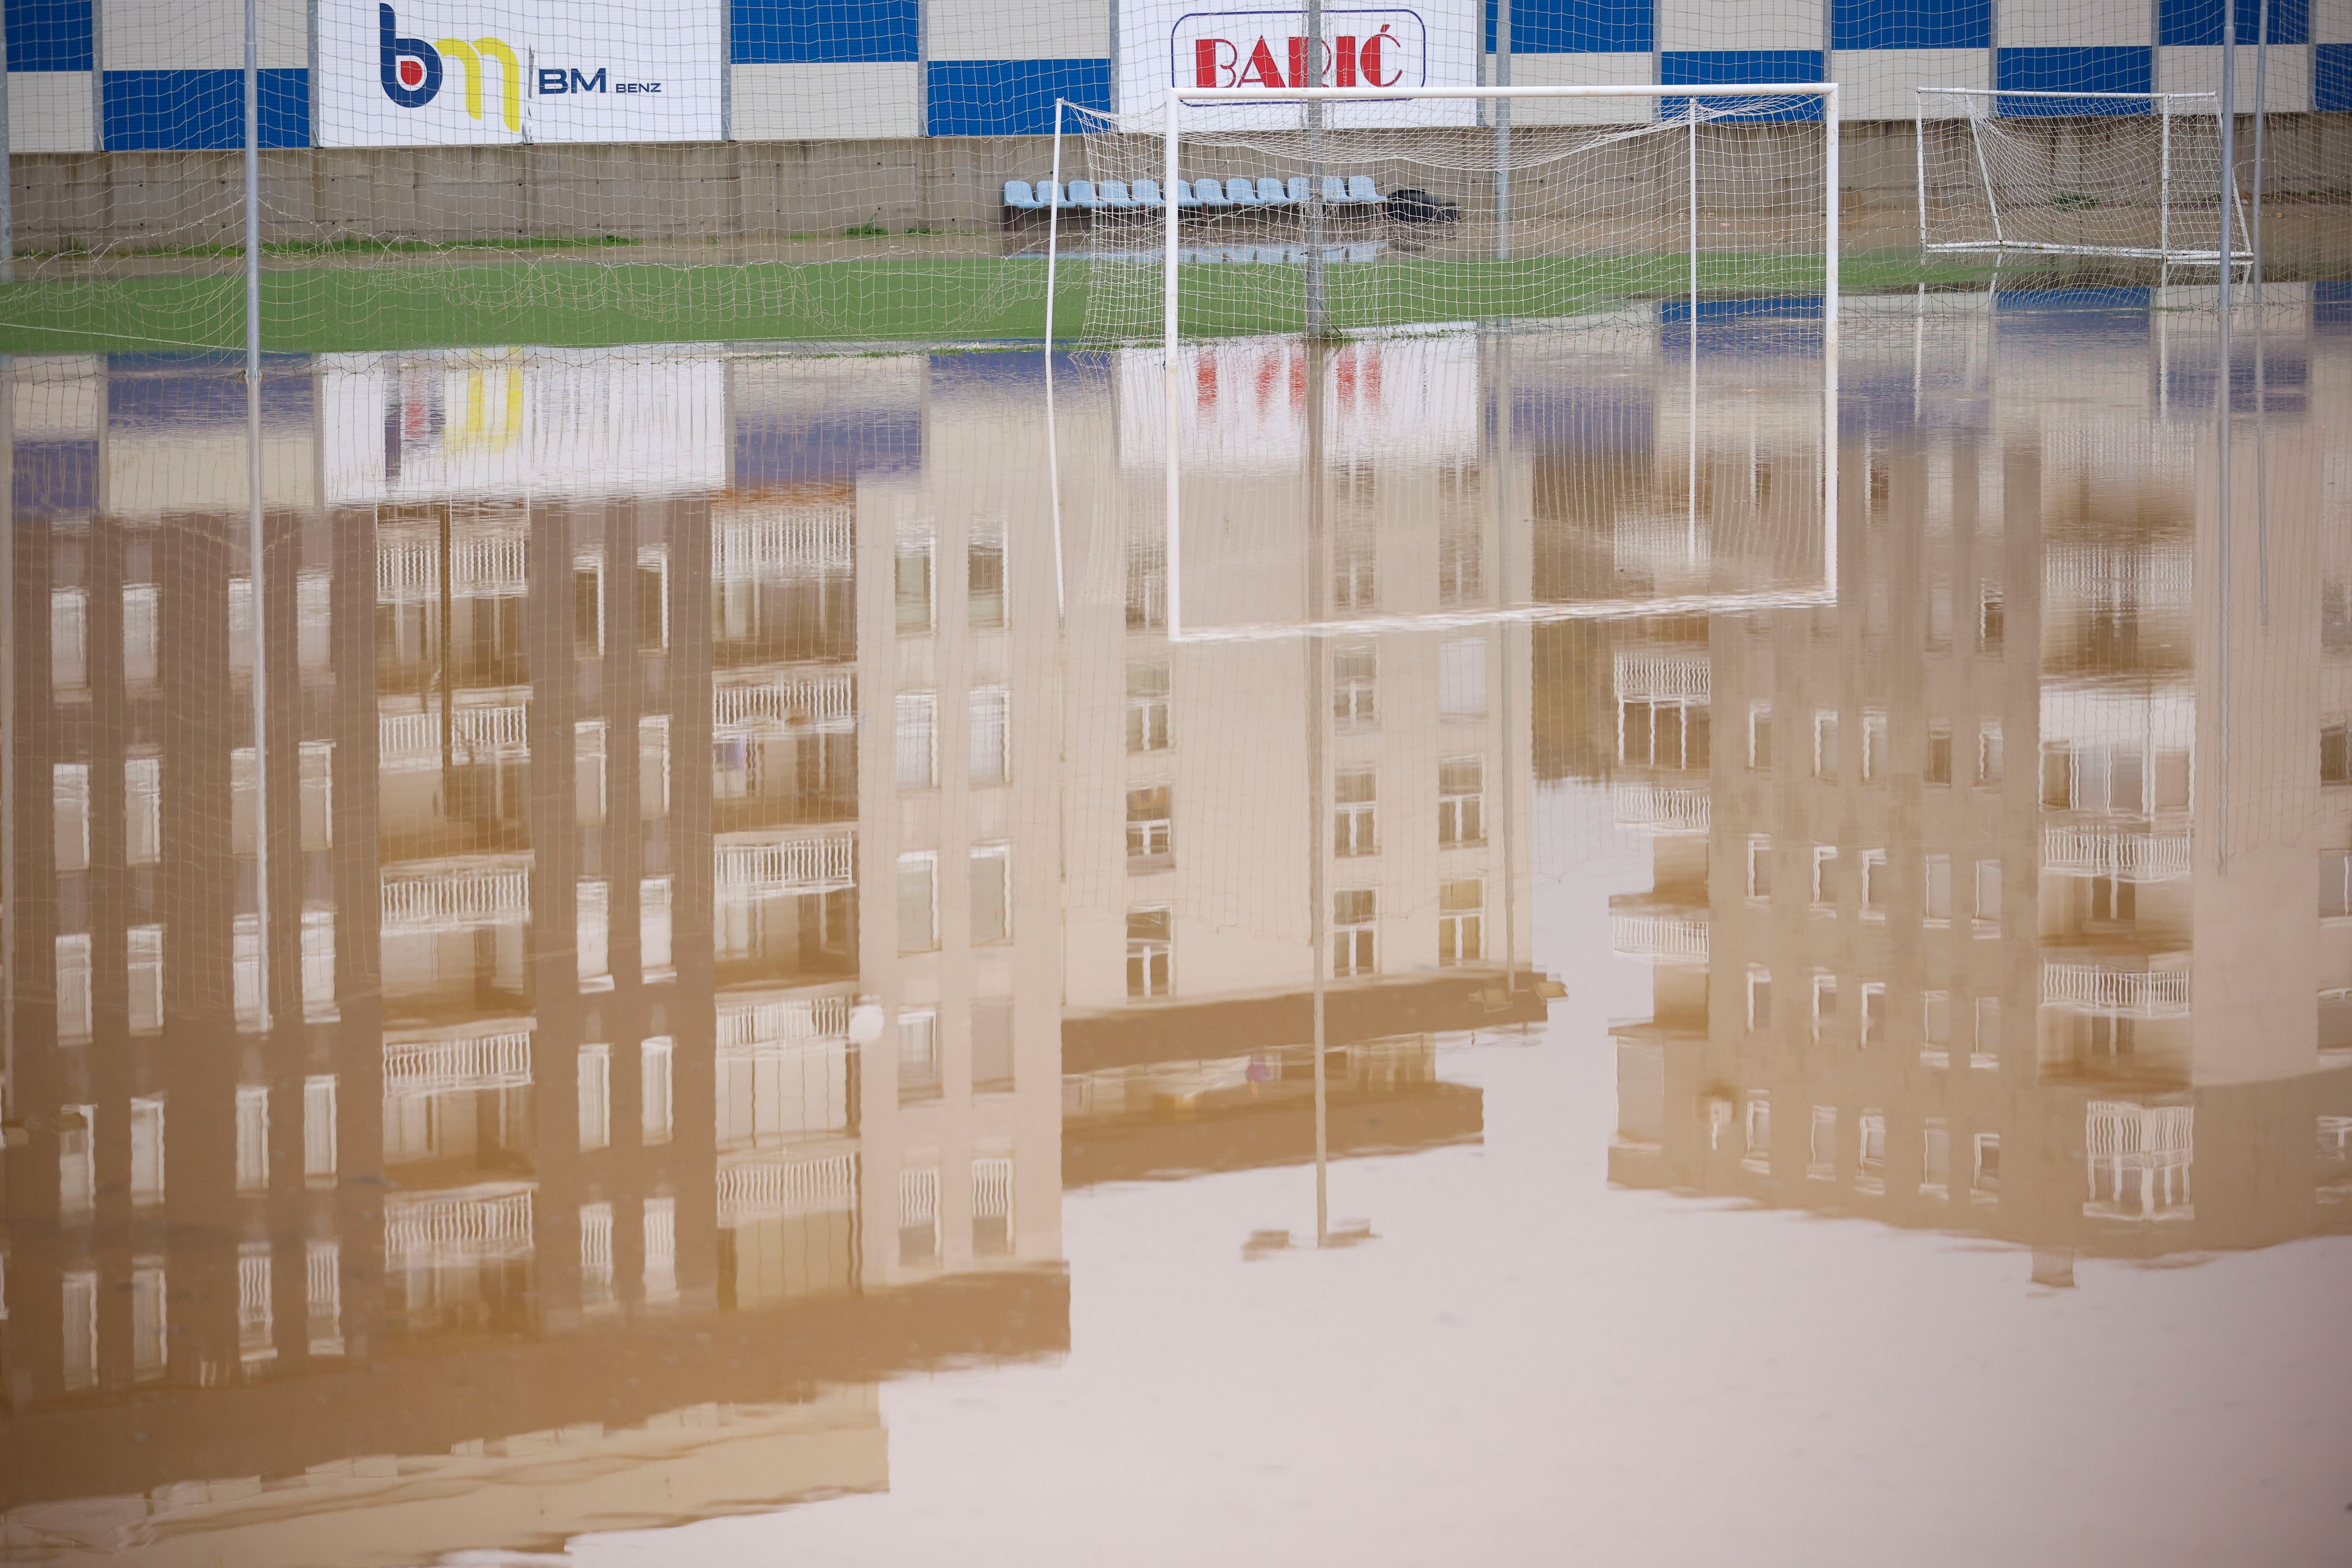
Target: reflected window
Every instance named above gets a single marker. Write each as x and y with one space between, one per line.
151 1345
143 811
992 894
1988 757
1873 1013
142 632
1985 1051
1984 1182
1663 732
314 623
653 765
918 741
146 978
918 1217
919 1055
1356 684
653 598
1935 1026
593 934
1355 823
79 1294
1760 738
1873 747
1989 897
1991 620
1461 802
1151 953
1461 919
252 1138
1877 885
1462 679
70 796
914 585
256 1319
1938 903
240 625
1147 584
594 1068
654 959
73 990
654 1086
1760 870
1150 828
1870 1151
1355 931
1936 1160
1826 745
245 970
1939 773
596 1281
1821 1149
984 581
992 1208
1148 715
68 639
990 738
317 800
244 800
1756 1131
318 1133
918 913
588 779
2336 754
1825 857
1824 1002
77 1160
323 1270
660 1224
588 606
1759 999
147 1152
2334 884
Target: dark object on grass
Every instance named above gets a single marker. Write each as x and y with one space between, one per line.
1419 206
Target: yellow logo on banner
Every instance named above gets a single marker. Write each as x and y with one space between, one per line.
511 75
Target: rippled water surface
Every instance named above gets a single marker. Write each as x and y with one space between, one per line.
747 957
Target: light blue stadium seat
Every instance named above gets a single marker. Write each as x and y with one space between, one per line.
1114 194
1017 194
1361 189
1185 195
1298 189
1082 195
1240 192
1147 194
1270 192
1212 194
1335 191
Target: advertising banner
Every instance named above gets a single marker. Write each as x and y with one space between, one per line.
1179 44
1243 407
405 73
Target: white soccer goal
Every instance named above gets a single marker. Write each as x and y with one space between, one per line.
2128 175
1657 208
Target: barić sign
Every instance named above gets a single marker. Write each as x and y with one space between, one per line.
400 73
1166 44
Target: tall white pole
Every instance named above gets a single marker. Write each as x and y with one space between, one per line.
1501 131
1172 532
2224 255
1052 445
255 554
1690 541
1830 200
1919 155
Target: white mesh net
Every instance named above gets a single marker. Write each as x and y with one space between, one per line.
2130 175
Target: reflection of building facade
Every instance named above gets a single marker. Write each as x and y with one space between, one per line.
393 1049
1953 920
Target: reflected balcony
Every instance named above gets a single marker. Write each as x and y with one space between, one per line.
424 897
485 1224
748 865
1658 931
420 740
2132 986
2137 1160
1663 674
2125 853
1661 808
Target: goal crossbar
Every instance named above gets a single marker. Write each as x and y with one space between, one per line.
1178 101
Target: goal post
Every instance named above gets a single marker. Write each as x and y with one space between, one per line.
2133 176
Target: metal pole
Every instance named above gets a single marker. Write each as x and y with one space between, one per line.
1319 718
1919 155
8 204
1830 339
2229 112
1501 131
1053 445
2261 325
1172 526
2164 182
1316 322
1690 479
256 554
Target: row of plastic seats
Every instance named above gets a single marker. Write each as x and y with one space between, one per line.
1207 193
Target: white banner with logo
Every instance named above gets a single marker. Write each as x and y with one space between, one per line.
1431 43
399 73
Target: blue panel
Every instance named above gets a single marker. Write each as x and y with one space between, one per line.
2331 301
1911 25
827 447
1678 67
198 109
2194 22
1582 419
798 32
1577 26
55 477
49 35
182 392
1009 98
2331 76
2093 297
2102 68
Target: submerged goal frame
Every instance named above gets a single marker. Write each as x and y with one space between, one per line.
2163 250
1171 458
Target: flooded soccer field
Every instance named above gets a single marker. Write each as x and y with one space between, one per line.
1643 938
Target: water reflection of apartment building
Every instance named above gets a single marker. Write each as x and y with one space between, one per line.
397 1051
1950 928
1219 782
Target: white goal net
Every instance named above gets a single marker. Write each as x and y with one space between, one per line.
2134 175
1518 205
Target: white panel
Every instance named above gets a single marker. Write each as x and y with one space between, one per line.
1032 30
1433 42
2331 21
1742 24
60 395
51 112
1879 83
2200 70
807 102
1580 70
2040 24
204 35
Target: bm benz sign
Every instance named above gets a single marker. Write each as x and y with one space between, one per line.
1167 44
444 72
